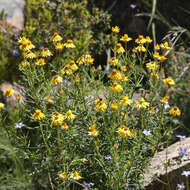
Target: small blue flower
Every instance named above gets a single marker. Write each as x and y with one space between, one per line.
133 6
15 52
108 157
180 186
19 125
181 137
166 106
186 173
88 184
182 152
146 132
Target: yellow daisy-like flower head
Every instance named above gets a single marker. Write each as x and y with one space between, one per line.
175 111
56 79
40 62
38 115
154 75
75 176
2 106
148 39
116 87
126 101
56 37
93 131
152 65
63 175
69 44
157 47
77 78
126 132
125 38
59 46
119 48
64 126
114 106
69 115
169 81
85 59
141 40
67 70
165 98
115 75
73 66
124 78
46 53
161 58
113 61
141 48
30 55
8 92
165 46
57 119
142 104
115 29
100 105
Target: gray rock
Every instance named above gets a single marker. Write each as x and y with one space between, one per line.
14 11
158 177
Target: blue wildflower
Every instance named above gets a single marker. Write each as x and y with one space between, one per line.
146 132
88 184
15 52
180 186
186 173
181 137
108 157
19 125
182 152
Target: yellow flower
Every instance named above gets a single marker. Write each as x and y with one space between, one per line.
85 59
2 106
59 46
148 39
77 78
115 75
114 106
69 44
67 69
63 175
169 81
75 175
152 65
126 101
116 87
126 132
156 55
57 119
154 74
26 44
157 47
8 92
142 104
165 98
38 115
40 62
175 111
141 48
24 64
165 46
125 38
46 53
64 126
56 79
30 55
93 131
56 37
141 40
124 78
69 115
100 105
113 61
115 29
119 48
73 66
49 100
